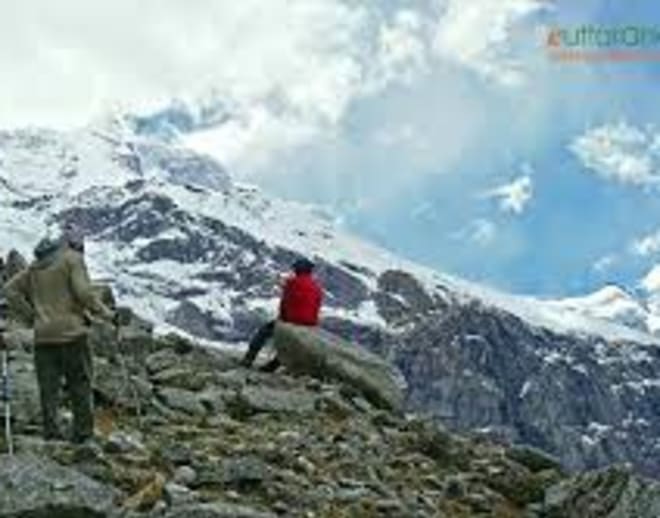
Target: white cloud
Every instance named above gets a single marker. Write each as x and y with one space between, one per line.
621 152
476 34
651 282
515 196
64 62
605 264
403 49
480 231
647 245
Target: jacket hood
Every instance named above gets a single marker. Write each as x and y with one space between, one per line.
45 252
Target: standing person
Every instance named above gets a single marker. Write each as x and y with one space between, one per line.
300 304
55 296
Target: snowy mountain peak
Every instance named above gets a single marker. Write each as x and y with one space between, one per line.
192 249
610 303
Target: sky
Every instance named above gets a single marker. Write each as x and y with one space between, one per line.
440 129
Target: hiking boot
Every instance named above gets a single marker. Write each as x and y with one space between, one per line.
89 449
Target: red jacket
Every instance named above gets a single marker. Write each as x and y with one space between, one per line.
301 300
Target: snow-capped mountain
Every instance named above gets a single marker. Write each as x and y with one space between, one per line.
611 303
617 305
191 250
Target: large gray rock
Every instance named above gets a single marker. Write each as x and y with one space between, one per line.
256 399
32 487
313 351
610 493
216 510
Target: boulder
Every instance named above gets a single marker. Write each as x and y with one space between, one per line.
34 487
318 353
181 400
256 399
216 510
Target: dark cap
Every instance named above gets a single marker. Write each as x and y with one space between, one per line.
303 265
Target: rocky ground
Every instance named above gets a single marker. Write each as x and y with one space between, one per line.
186 433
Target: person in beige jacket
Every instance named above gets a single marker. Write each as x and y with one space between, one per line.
54 295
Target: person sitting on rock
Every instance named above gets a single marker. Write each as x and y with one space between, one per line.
300 304
55 296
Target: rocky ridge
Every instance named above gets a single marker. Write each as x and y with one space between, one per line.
185 432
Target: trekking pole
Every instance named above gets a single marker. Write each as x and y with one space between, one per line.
6 399
123 318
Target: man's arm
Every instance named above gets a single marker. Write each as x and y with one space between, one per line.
83 291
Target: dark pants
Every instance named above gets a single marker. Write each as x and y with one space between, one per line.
72 363
257 343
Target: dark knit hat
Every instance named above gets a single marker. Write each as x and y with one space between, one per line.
303 265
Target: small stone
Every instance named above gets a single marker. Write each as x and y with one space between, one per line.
182 401
120 442
335 406
233 495
289 436
314 385
350 494
388 505
176 494
305 465
455 488
177 453
362 404
161 360
244 471
185 475
281 507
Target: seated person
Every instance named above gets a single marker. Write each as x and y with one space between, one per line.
300 304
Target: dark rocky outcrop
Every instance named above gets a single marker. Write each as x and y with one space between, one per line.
581 399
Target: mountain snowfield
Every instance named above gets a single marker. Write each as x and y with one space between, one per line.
615 304
48 177
197 253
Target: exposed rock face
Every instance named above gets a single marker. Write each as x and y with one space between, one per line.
401 297
586 401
